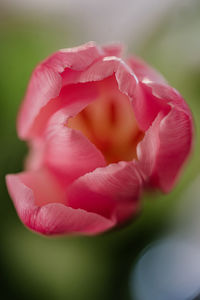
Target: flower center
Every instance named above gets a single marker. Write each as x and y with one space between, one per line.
109 123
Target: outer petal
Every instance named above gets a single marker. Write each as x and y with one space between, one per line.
67 152
167 94
147 149
53 218
165 147
175 145
103 68
146 107
144 72
46 81
114 49
110 191
35 157
168 141
154 98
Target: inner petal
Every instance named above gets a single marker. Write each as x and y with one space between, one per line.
109 123
45 187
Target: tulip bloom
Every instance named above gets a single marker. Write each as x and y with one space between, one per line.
100 129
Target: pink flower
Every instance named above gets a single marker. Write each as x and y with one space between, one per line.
100 130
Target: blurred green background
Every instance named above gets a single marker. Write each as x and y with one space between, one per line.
35 267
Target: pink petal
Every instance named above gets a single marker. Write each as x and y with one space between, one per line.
34 159
165 147
167 94
143 71
114 49
148 98
147 149
145 105
105 67
127 82
168 141
67 152
52 218
175 145
110 191
46 81
73 97
45 187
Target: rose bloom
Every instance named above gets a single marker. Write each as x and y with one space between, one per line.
101 129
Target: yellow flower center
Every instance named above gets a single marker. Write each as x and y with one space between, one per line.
109 123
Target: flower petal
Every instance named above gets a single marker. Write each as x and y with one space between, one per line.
73 98
145 106
67 152
167 94
46 81
175 144
147 149
127 82
143 71
114 49
110 191
103 68
52 218
165 147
